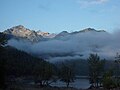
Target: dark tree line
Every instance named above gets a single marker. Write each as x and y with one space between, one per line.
20 64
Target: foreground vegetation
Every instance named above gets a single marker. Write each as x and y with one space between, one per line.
17 66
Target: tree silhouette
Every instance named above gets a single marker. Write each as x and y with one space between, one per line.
108 80
96 67
117 64
66 74
43 72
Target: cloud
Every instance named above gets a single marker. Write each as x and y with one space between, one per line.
87 3
73 47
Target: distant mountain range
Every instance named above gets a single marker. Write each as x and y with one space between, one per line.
20 32
64 45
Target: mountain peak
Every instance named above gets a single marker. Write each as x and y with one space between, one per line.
88 30
22 32
63 33
91 30
19 30
19 26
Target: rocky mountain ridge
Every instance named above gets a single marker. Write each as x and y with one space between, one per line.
31 35
36 36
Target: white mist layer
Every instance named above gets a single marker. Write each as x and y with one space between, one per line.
73 46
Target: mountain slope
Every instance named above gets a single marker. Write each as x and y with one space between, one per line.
20 32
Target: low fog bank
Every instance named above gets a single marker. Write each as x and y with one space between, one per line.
74 46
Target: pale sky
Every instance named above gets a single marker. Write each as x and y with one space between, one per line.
58 15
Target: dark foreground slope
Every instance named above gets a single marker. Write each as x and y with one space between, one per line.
16 64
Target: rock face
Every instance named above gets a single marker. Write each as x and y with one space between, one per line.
46 34
22 32
31 35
